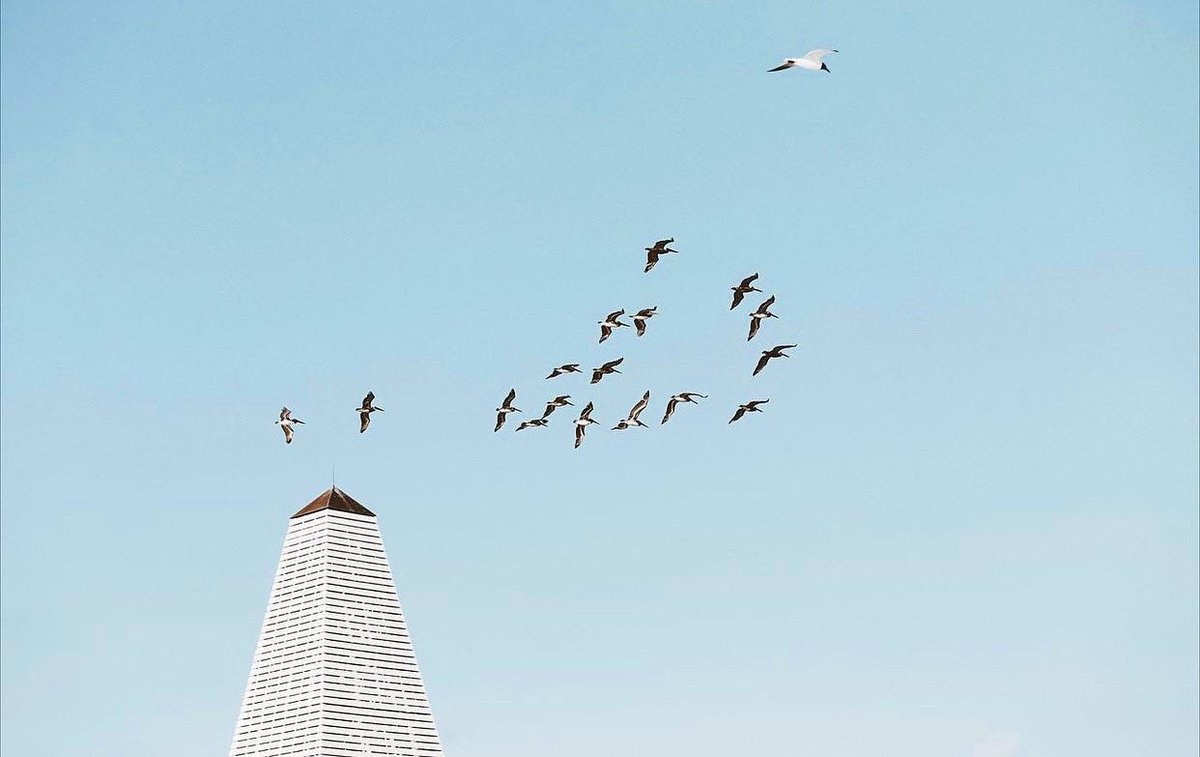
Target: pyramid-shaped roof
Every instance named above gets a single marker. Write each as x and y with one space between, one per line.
333 499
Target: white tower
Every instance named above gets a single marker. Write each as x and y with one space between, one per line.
334 673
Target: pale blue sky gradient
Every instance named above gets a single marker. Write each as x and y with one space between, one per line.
967 517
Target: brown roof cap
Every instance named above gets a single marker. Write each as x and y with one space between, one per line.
333 499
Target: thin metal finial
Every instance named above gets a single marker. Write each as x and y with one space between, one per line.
333 476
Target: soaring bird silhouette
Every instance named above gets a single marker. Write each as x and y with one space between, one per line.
364 412
604 370
539 422
659 249
749 407
506 408
559 401
767 355
743 289
610 322
585 418
634 412
640 318
285 422
757 317
676 399
565 368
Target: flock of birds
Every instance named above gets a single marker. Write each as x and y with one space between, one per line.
812 61
611 323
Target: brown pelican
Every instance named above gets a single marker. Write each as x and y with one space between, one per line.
539 422
364 412
659 249
585 418
604 370
759 315
610 322
506 408
676 399
640 318
743 289
749 407
557 402
565 368
776 351
285 422
634 412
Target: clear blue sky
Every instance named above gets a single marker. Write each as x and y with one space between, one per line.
965 526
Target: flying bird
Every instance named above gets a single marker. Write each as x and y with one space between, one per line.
364 412
659 249
749 407
506 408
539 422
640 318
565 368
743 289
771 353
757 317
585 418
285 422
604 370
610 322
557 402
676 399
634 412
811 61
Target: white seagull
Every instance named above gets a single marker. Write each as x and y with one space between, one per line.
364 412
585 418
811 61
285 422
634 412
676 399
503 411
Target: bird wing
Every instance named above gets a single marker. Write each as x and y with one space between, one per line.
639 324
647 312
284 414
740 412
287 434
368 399
781 67
779 348
607 367
550 408
687 396
753 327
605 332
748 280
597 374
364 420
737 298
651 259
579 431
766 305
671 403
755 403
499 421
762 363
816 55
613 316
662 243
512 395
639 406
587 413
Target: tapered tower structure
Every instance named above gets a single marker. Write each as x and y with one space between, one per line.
334 673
